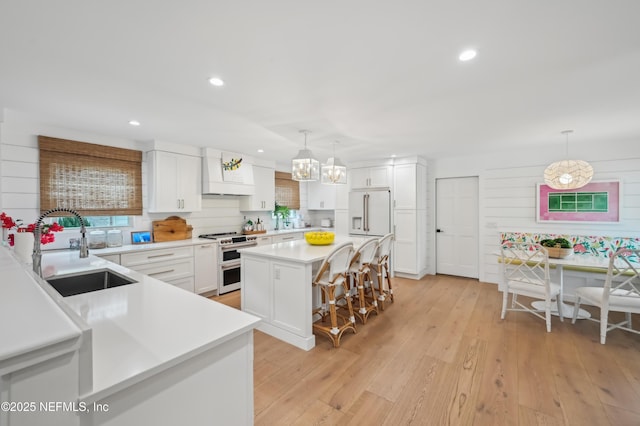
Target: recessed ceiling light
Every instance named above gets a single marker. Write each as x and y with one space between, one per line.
216 81
261 150
467 55
134 122
393 156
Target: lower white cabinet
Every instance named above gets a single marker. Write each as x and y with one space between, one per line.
292 236
172 265
206 267
113 258
264 240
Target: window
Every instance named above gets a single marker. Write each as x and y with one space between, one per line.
95 180
287 191
93 221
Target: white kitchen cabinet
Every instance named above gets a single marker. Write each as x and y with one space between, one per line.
265 190
174 182
291 236
205 267
114 258
410 218
172 265
371 177
321 196
342 197
341 222
264 240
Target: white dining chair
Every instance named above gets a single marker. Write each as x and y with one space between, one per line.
526 272
621 293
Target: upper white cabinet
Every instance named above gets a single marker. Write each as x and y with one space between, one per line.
369 177
265 189
174 182
321 196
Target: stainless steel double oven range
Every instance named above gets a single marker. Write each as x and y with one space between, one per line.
229 258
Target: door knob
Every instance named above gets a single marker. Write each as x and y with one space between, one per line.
439 230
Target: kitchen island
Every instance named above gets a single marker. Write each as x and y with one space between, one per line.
276 286
146 352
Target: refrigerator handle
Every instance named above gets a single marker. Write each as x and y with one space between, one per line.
365 209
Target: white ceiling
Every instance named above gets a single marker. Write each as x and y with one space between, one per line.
380 77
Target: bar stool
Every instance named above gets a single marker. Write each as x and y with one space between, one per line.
381 265
331 276
360 275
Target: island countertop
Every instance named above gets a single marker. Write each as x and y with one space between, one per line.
298 251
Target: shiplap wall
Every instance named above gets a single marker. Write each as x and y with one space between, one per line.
507 198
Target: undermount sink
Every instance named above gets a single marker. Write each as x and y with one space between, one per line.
85 282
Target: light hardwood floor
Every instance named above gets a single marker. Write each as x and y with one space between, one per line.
441 355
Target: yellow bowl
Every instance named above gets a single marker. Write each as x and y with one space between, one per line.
319 238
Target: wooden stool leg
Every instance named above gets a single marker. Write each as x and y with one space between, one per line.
386 268
381 293
352 317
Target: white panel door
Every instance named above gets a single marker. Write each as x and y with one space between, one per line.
457 226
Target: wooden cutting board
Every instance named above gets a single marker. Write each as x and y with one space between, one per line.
171 229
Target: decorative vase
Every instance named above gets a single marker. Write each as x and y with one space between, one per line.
23 246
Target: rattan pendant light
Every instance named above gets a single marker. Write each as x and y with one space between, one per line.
568 174
304 166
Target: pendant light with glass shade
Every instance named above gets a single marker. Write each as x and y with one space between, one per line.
304 166
568 174
333 172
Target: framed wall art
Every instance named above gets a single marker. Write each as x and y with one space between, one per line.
596 202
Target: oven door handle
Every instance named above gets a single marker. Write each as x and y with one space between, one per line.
227 266
238 245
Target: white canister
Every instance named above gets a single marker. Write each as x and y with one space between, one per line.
23 246
114 238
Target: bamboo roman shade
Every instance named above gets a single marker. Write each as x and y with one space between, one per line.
287 191
95 180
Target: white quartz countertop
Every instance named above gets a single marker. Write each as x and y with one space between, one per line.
131 248
299 251
30 318
138 329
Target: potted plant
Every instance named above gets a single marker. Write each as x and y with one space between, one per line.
558 248
281 212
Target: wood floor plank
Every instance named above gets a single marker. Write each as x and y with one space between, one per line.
369 409
497 402
609 380
579 400
445 344
530 417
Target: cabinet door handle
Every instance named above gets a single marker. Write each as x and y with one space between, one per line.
178 202
163 272
159 255
182 204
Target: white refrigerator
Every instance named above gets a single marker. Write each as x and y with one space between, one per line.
370 212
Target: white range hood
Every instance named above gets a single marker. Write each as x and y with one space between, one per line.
226 173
